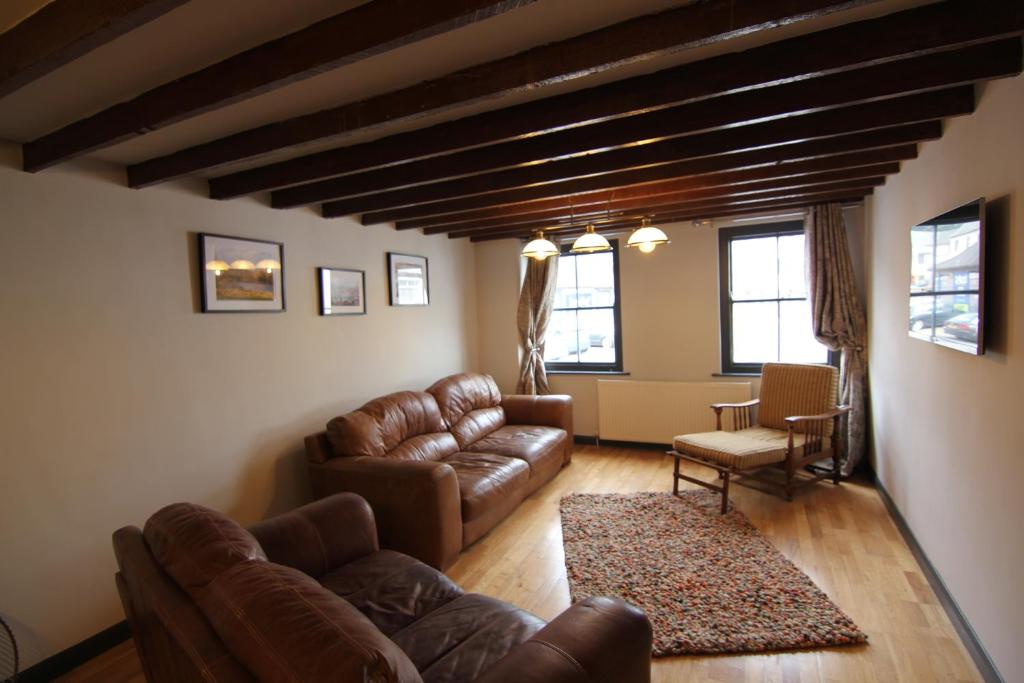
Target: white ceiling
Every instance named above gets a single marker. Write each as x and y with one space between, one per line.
205 31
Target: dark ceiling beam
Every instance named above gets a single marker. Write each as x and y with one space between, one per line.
891 112
859 149
698 188
945 69
561 207
705 211
357 34
641 38
64 30
904 34
720 195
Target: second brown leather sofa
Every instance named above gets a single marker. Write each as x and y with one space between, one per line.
442 467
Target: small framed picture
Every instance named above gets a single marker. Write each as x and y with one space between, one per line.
342 291
408 280
241 275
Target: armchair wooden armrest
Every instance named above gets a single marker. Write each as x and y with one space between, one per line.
743 415
835 412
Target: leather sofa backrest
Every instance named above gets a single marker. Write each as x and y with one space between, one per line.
406 424
195 544
251 602
470 405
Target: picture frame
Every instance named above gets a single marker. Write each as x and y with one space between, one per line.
342 291
408 280
240 275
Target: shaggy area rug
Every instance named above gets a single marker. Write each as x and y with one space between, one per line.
709 583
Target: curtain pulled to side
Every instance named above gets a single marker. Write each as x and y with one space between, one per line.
838 318
536 300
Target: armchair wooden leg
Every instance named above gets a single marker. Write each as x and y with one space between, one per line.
789 481
836 467
725 492
675 478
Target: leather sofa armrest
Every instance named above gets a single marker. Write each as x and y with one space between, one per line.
321 536
597 640
553 410
415 502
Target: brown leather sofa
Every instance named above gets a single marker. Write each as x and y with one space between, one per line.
308 596
442 467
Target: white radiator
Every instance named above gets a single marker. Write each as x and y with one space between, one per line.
654 412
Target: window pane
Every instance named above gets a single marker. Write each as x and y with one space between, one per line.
921 312
796 337
960 319
561 344
792 278
565 286
596 280
755 332
957 256
597 334
922 258
754 268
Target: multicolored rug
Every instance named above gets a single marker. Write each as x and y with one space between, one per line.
709 583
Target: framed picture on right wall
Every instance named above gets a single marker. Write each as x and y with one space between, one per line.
408 280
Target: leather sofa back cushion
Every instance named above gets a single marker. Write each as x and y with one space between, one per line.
285 627
470 405
382 424
195 544
459 394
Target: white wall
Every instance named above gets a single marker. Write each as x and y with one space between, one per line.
948 433
118 397
670 313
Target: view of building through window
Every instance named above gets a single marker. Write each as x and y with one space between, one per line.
945 282
583 331
766 316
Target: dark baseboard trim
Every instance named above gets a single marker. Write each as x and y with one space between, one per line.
595 441
76 655
985 665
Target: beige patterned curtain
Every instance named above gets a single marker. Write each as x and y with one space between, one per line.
838 317
535 302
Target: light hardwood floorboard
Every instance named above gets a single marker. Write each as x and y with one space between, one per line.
843 538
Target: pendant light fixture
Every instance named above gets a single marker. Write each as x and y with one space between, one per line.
540 248
647 237
589 242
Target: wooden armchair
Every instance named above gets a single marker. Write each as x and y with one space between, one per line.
796 425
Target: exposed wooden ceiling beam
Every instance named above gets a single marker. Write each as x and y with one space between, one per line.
64 30
859 149
710 210
892 112
903 77
361 32
561 207
699 188
641 38
904 34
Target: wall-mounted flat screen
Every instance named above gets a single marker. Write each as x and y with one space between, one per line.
947 276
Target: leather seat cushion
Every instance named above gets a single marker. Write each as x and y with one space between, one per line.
541 447
391 589
461 640
488 481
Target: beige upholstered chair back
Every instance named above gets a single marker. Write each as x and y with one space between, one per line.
790 389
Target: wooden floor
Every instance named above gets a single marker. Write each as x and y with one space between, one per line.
841 537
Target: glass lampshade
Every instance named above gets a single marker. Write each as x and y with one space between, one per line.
269 265
217 266
242 264
647 237
540 248
590 242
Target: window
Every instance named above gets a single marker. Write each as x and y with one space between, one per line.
584 334
765 313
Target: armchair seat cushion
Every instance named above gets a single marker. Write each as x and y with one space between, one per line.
489 483
391 589
742 449
462 639
540 447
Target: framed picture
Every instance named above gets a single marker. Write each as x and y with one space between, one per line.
241 275
408 280
342 291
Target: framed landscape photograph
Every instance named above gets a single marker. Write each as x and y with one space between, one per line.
342 291
408 280
241 275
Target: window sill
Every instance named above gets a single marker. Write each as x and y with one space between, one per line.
587 372
735 374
